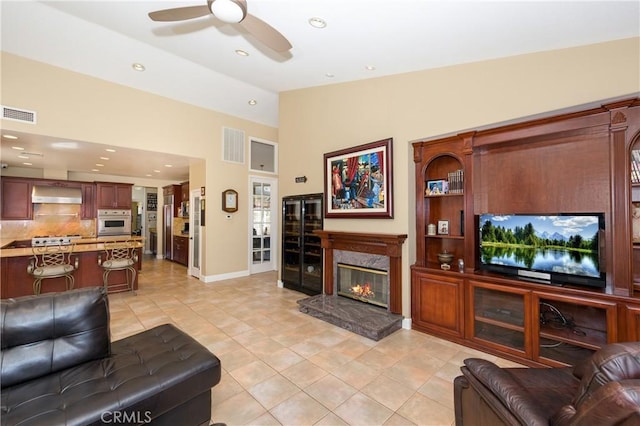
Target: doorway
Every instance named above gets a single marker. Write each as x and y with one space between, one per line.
263 225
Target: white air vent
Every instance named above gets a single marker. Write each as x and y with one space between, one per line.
233 145
15 114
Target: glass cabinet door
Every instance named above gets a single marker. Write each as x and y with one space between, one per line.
312 257
500 317
292 240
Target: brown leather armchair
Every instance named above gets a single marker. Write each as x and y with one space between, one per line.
602 390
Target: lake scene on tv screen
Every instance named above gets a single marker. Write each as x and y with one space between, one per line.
555 244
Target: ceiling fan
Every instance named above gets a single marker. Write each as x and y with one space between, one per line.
231 12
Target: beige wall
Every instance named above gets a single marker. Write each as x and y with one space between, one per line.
425 104
74 106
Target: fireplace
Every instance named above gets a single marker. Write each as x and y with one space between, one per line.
377 251
367 285
364 268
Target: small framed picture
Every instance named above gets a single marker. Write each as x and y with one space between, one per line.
437 187
443 227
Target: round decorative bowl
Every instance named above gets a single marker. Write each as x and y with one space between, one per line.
445 258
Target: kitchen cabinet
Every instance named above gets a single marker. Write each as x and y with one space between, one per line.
16 199
113 195
301 248
173 196
181 250
88 208
153 242
184 191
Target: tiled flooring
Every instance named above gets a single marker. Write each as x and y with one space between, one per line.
282 367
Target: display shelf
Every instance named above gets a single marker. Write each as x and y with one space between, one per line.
562 354
502 336
445 237
461 194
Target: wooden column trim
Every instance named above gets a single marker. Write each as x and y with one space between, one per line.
382 244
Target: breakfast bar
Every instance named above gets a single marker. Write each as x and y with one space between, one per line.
15 256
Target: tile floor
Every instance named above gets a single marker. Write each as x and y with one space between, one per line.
283 367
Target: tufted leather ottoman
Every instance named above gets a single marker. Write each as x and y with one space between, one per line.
160 376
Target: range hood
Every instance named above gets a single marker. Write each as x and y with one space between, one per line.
56 195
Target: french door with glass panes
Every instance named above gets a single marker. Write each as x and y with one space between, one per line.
262 245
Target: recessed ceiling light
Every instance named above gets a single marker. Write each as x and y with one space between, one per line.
99 165
95 170
370 67
241 52
24 157
253 102
148 175
104 158
317 22
138 66
10 136
156 171
65 145
28 164
168 165
19 148
110 150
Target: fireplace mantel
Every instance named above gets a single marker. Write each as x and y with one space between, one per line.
383 244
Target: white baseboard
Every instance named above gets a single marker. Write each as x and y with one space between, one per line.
222 277
280 284
406 323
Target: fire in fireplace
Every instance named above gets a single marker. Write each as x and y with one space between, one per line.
367 285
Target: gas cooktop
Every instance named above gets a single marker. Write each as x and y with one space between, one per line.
49 240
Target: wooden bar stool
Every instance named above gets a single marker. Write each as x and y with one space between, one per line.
119 256
52 262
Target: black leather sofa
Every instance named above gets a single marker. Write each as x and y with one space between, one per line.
59 367
602 390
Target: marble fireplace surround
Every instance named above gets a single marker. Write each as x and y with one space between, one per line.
382 251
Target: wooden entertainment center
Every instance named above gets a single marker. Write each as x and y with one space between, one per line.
579 162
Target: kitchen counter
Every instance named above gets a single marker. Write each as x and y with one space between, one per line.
85 244
15 281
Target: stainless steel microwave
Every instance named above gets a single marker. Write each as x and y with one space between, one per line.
114 222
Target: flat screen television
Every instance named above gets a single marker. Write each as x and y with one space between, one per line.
552 249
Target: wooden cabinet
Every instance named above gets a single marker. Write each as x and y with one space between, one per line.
181 250
113 195
301 248
153 242
88 209
184 191
437 303
500 318
586 161
571 329
173 197
16 199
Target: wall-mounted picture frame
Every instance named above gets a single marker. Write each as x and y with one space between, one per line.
359 181
443 227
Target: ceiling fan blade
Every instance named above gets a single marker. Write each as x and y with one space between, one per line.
265 33
179 13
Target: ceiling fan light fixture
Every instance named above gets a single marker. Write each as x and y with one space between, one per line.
229 11
138 66
252 102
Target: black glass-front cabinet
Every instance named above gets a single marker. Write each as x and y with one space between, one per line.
301 249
